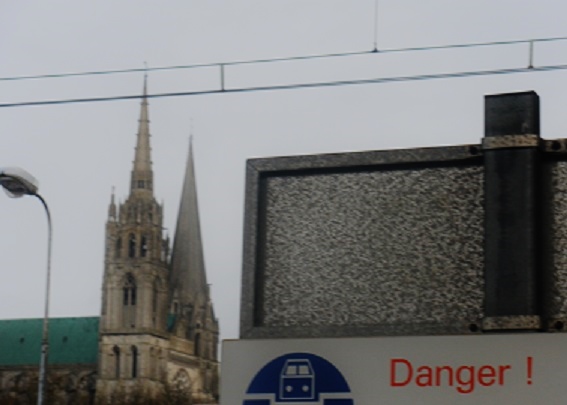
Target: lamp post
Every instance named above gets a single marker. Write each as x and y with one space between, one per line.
17 183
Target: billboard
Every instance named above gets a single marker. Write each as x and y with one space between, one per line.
395 243
364 243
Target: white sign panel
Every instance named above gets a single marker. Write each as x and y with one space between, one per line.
435 370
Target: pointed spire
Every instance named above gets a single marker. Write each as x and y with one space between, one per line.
187 275
142 175
112 207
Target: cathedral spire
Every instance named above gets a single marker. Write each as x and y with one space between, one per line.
112 207
187 274
142 175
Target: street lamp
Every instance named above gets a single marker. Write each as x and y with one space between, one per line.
17 183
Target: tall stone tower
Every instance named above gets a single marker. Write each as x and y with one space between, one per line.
158 328
189 295
135 288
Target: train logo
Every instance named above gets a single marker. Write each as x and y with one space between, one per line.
299 379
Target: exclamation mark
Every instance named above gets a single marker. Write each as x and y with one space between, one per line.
530 364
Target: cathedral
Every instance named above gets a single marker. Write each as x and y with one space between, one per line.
157 333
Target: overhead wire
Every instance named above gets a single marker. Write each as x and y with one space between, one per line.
221 66
286 59
298 85
179 67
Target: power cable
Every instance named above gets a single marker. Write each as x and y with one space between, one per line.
381 80
286 59
178 67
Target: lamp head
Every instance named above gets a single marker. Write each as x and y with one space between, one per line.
17 182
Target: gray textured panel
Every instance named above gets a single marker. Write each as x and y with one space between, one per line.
374 243
374 247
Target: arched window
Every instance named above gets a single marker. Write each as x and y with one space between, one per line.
215 350
155 296
197 344
144 246
153 363
188 312
207 351
129 290
158 364
132 245
116 351
164 249
134 362
118 248
129 300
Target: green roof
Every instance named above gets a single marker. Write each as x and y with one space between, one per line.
71 341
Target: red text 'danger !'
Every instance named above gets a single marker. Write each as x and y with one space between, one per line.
465 378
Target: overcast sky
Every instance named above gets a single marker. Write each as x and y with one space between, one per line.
79 152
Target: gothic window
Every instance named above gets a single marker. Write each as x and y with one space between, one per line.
153 363
132 245
134 362
140 183
129 290
215 345
160 371
188 312
155 294
164 251
116 352
129 300
144 246
197 344
155 300
207 383
155 297
118 248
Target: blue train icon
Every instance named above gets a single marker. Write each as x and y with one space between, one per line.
298 379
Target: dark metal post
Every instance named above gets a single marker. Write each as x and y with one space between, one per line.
42 382
512 299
